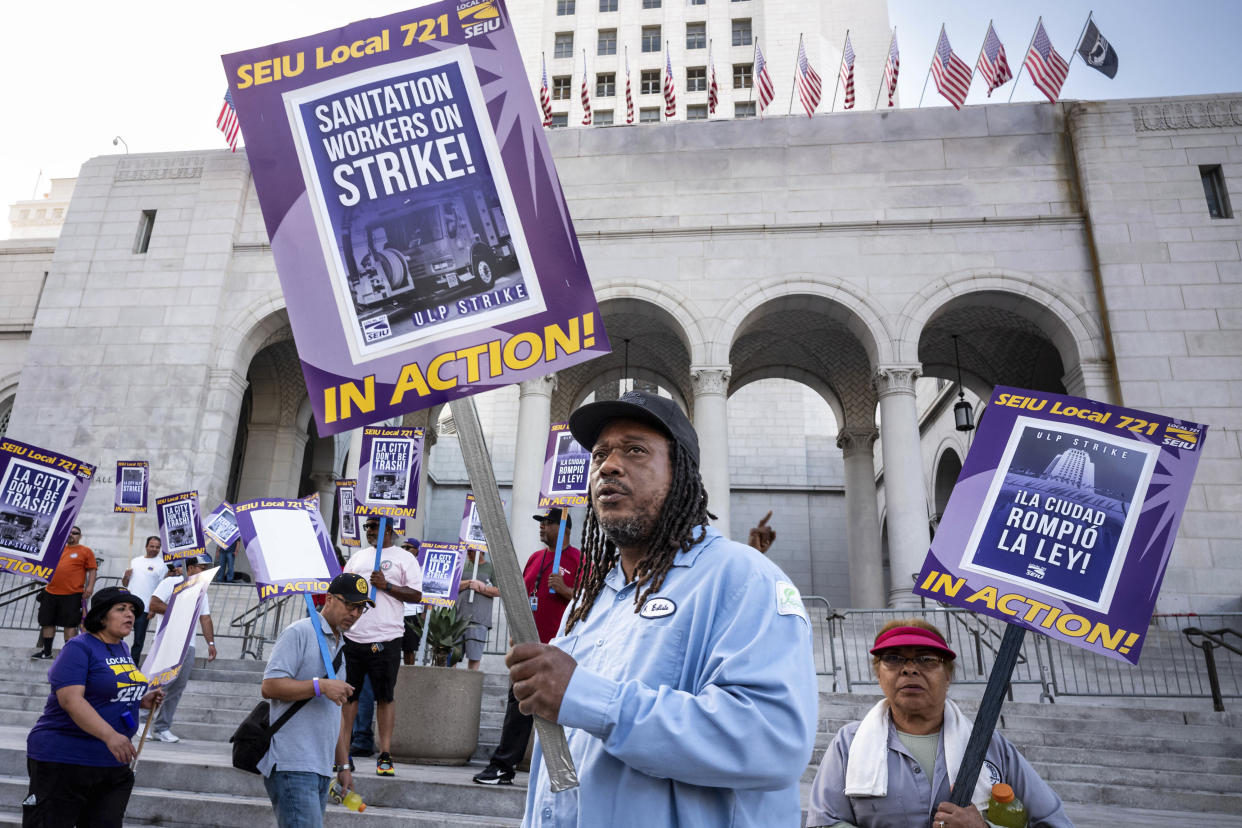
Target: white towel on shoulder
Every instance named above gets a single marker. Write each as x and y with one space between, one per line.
866 770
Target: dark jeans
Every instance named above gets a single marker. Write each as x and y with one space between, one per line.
140 635
514 736
84 796
362 738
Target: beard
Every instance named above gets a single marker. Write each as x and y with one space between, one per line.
627 532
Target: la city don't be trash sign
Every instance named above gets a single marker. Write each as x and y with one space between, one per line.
423 244
1063 518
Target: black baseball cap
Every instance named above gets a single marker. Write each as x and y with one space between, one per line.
351 588
553 516
660 412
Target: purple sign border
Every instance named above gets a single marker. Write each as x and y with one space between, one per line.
196 518
444 549
550 468
269 588
1119 630
222 542
41 569
165 677
141 506
407 508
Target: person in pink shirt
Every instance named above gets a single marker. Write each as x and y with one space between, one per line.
373 644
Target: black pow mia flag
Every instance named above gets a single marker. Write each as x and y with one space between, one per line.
1097 52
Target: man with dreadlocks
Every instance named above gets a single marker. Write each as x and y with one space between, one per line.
684 676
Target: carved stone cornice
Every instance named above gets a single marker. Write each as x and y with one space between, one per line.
710 379
1163 115
140 168
539 386
854 441
896 379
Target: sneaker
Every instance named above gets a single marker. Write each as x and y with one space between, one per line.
42 656
359 750
494 775
383 766
166 736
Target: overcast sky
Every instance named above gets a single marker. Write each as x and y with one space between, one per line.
79 73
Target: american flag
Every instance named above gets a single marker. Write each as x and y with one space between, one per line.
226 121
1047 68
809 85
586 98
992 63
891 67
847 72
713 90
670 90
763 80
545 97
629 94
951 72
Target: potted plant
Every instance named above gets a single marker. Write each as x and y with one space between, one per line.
437 720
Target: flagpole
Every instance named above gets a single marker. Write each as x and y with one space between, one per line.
584 77
1078 45
751 96
1038 23
890 57
935 55
794 88
711 76
981 45
841 63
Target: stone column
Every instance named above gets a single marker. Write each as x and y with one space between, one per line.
325 483
534 420
217 432
711 421
867 587
908 535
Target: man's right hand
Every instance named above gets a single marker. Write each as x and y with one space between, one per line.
336 691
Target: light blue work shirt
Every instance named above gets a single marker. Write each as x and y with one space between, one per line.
307 742
912 798
700 710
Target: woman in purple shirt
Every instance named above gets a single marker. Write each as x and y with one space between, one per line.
79 751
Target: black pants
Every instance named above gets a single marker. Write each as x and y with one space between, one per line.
514 736
76 796
140 635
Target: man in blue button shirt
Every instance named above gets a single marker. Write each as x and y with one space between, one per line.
684 675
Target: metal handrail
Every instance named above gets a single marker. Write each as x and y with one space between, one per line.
20 592
1209 641
249 621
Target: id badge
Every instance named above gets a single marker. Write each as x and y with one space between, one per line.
534 603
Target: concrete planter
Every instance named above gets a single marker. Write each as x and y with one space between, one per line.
437 715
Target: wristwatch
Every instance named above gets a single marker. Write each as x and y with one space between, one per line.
348 766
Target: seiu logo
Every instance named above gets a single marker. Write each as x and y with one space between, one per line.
376 329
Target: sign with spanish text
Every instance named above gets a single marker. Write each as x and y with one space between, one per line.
442 566
348 531
131 486
41 493
388 472
176 633
423 243
471 531
181 526
565 468
221 526
1063 518
287 545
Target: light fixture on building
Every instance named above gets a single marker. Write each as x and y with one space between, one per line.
962 413
118 140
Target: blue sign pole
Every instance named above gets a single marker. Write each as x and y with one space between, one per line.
323 642
556 556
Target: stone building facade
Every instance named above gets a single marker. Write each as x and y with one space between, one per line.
788 281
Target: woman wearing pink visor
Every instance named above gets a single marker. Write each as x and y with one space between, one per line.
895 768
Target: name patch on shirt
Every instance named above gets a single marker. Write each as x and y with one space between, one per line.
657 608
789 601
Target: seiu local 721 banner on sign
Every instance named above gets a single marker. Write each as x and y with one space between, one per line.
422 240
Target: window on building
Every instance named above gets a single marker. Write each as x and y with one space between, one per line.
607 5
603 117
145 224
649 82
651 38
649 115
564 7
651 4
696 112
696 35
742 75
58 212
607 43
1215 191
6 411
744 109
605 84
560 119
563 47
698 2
23 214
696 79
741 32
562 88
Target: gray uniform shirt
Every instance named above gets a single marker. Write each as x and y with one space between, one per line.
307 742
912 798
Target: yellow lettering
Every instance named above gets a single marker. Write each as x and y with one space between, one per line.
532 341
411 378
438 382
987 595
494 366
1003 603
554 337
1036 607
948 584
244 81
471 355
329 405
1083 625
1100 632
364 399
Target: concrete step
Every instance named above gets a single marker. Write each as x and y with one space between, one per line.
1129 796
1054 773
